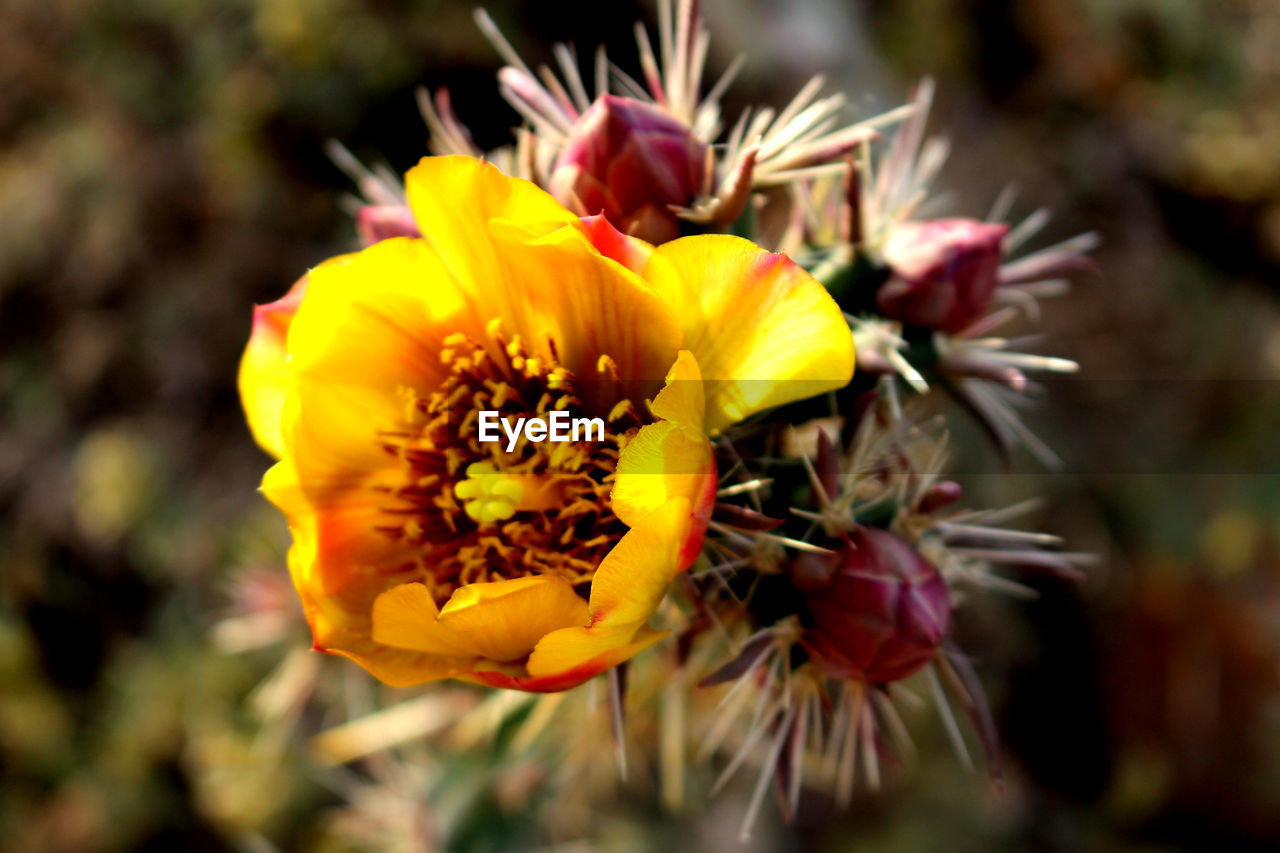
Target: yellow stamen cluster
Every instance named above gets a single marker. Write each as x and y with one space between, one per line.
489 495
474 512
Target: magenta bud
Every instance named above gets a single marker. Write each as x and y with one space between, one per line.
630 161
883 613
377 222
944 272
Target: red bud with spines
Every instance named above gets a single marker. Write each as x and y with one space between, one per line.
630 161
878 611
943 272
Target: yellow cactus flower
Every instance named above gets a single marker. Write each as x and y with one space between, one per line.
421 551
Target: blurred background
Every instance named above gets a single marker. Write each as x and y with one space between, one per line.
163 168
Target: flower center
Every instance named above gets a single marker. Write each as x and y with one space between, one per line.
475 511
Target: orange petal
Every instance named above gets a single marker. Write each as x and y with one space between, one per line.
505 619
500 621
264 374
764 331
338 562
399 667
339 614
406 616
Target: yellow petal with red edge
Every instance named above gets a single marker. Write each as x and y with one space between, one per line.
764 331
633 253
625 592
338 616
338 481
264 373
571 677
499 621
671 458
334 560
641 258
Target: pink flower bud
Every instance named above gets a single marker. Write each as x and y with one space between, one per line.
377 222
944 272
630 161
881 613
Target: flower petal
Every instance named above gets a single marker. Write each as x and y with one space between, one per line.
499 621
764 331
406 617
337 561
523 259
631 252
332 435
337 607
366 338
352 639
573 675
454 198
671 458
398 667
379 318
264 373
683 400
505 619
336 485
559 287
625 592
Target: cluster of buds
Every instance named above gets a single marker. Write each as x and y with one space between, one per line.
835 603
847 598
651 154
